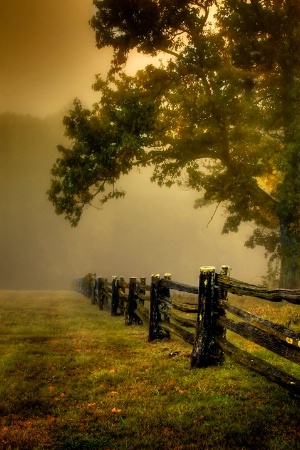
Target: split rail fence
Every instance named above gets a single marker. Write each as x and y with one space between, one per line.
200 317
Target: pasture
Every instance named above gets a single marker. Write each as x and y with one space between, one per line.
74 377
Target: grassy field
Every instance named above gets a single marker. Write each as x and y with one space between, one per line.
73 377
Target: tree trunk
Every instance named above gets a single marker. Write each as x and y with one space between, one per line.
290 257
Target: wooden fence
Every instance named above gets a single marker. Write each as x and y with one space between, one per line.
200 317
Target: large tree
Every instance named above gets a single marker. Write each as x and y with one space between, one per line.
219 113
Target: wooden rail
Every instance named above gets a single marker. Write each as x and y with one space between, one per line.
202 318
241 288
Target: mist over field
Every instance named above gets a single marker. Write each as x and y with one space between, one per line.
153 230
48 57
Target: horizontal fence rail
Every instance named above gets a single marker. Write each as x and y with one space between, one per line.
200 316
274 295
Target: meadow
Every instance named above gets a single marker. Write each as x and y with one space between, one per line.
74 377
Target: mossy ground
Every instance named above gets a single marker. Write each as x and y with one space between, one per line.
73 377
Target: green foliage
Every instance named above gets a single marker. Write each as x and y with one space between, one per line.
219 116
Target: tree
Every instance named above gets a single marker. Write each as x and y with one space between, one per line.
219 114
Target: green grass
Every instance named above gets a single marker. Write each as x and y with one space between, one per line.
73 377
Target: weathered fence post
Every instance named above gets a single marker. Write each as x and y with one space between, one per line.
84 285
205 351
220 330
105 294
154 315
164 295
121 291
130 315
115 296
87 282
100 286
96 290
93 288
224 271
142 289
129 305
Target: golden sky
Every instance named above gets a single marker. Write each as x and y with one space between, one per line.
47 58
47 55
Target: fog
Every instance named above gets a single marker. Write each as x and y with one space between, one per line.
153 230
48 57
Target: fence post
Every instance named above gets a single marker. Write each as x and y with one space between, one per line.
100 292
164 295
104 294
142 289
225 270
115 296
205 351
130 315
129 305
93 287
87 281
220 331
154 315
96 289
84 286
121 292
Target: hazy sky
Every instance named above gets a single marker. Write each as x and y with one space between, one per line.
47 58
47 55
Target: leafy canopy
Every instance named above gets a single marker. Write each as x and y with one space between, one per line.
219 113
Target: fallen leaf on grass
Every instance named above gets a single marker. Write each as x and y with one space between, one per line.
181 391
114 393
115 410
199 419
90 405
